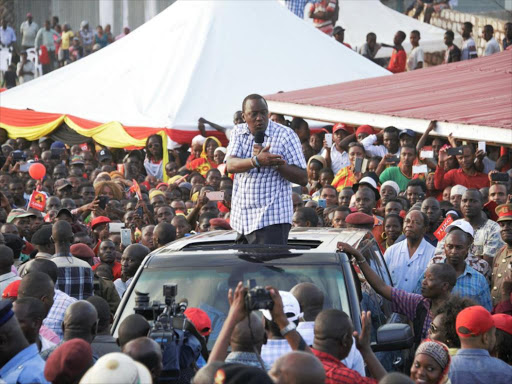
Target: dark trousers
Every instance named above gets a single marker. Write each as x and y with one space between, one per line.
273 234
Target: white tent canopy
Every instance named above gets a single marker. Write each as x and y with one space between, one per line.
195 59
361 17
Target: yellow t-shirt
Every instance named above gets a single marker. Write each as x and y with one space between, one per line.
66 38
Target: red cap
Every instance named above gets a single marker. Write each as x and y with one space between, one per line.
221 223
11 291
473 321
339 126
99 220
200 319
365 129
503 322
162 184
68 361
359 218
82 251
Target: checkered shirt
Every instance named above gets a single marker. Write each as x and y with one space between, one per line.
479 265
53 320
263 198
74 279
337 373
273 350
296 6
405 303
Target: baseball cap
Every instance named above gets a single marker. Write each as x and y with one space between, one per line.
337 29
116 367
99 220
342 126
463 225
408 132
61 184
199 139
503 321
200 319
69 360
365 129
77 160
473 321
65 211
18 213
291 307
104 154
11 291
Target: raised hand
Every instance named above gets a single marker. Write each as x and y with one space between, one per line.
267 159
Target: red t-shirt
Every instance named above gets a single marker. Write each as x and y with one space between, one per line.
444 179
397 61
116 269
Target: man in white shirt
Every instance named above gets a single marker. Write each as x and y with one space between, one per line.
26 68
415 58
390 140
6 262
337 154
468 50
28 31
408 259
492 46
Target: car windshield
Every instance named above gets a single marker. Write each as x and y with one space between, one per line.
208 288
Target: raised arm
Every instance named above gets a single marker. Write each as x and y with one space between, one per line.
371 276
423 139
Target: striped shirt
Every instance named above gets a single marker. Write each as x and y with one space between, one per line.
406 304
296 6
263 197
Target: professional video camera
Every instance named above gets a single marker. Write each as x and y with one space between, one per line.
180 342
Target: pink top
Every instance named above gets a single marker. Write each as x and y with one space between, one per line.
49 335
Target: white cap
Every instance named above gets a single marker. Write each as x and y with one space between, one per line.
117 367
463 225
198 140
291 307
392 184
368 180
221 149
458 190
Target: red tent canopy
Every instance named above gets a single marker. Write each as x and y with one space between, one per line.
471 99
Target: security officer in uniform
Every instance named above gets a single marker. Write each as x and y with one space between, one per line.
503 260
19 361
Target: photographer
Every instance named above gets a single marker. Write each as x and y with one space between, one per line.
238 312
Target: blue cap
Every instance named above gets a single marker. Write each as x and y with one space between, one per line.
5 311
57 145
409 132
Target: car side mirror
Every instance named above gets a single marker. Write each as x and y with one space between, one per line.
393 337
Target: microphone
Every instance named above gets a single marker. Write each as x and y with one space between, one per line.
259 136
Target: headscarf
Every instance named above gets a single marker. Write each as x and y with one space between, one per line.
439 352
203 154
392 184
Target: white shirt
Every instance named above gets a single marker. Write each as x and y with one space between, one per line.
375 150
468 50
339 159
27 67
415 57
405 270
28 33
6 279
122 286
354 360
491 47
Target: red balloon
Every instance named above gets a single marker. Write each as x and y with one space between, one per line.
37 171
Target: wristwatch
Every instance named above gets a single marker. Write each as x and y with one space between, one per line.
290 327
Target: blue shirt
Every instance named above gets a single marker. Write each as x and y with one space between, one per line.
476 366
7 36
297 6
405 270
471 284
26 367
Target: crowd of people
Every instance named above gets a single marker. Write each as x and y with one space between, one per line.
55 45
77 222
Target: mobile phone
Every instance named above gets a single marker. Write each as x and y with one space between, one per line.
427 154
56 153
394 159
322 203
500 176
454 151
215 195
358 166
24 167
481 146
126 236
115 227
103 200
420 168
328 139
365 165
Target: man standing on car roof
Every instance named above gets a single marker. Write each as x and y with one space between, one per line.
261 208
